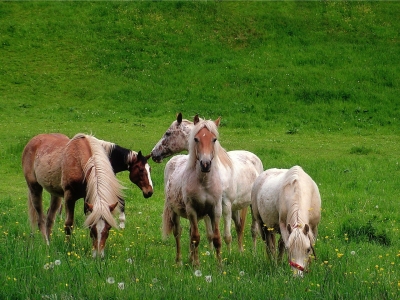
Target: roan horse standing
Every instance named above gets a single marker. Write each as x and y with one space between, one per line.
193 188
237 179
72 169
287 201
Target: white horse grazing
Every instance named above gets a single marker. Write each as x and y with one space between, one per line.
237 181
287 201
193 188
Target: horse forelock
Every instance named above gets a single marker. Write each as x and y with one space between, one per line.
103 188
298 240
131 157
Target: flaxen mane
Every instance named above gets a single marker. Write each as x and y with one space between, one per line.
103 188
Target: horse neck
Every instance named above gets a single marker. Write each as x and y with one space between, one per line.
187 127
119 158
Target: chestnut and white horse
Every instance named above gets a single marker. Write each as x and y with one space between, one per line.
237 180
287 201
71 169
193 188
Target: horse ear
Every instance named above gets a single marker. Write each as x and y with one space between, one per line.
196 119
217 121
179 118
113 206
89 206
289 228
306 229
139 155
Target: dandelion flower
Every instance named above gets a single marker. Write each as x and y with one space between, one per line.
129 261
207 252
241 273
110 280
121 285
46 266
57 262
155 280
197 273
353 252
208 278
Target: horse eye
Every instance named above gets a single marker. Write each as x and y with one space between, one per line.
308 250
196 140
214 140
167 133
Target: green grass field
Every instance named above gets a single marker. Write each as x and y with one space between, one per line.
308 83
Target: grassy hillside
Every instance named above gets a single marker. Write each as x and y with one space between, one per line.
308 83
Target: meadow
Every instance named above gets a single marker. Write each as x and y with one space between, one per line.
314 84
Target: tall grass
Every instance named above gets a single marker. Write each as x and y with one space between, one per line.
307 83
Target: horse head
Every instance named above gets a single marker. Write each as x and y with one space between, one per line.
300 248
204 137
139 174
99 231
174 140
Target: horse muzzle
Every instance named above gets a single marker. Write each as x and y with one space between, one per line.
147 194
205 166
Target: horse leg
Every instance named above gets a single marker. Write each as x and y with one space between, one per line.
217 238
69 210
35 206
121 213
209 231
240 221
281 247
227 213
254 229
55 203
194 240
177 231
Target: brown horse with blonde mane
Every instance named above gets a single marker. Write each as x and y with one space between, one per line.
71 169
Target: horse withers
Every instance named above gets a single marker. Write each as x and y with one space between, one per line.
287 201
193 189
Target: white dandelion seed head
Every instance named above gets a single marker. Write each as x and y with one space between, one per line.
353 252
46 266
197 273
155 280
241 273
208 278
110 280
57 262
129 260
207 252
121 285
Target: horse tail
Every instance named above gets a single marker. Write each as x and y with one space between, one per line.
103 188
168 225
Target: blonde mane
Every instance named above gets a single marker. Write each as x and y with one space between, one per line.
103 188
